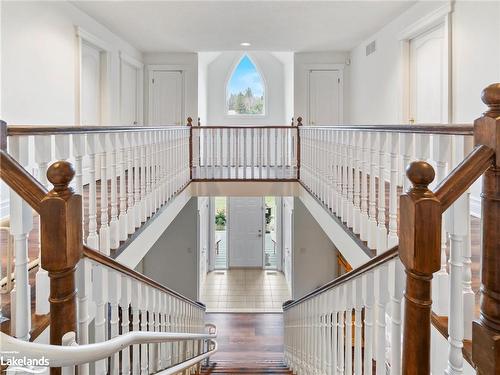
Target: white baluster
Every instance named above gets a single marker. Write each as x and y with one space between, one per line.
441 280
124 303
143 176
79 152
122 146
392 238
99 294
368 302
152 316
350 180
458 228
381 299
83 274
396 297
340 332
345 178
349 295
104 240
334 332
407 147
93 237
137 210
356 223
372 221
43 155
114 233
358 324
114 323
21 223
365 165
135 305
144 327
381 227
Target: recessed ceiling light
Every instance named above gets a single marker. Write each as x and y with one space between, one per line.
245 44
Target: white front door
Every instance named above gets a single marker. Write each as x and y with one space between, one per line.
246 225
129 95
427 77
324 97
166 98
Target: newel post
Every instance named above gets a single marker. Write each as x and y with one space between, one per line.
299 124
419 250
486 330
61 248
190 124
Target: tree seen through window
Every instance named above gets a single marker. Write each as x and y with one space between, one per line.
245 91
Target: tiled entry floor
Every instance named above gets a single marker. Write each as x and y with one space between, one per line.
244 290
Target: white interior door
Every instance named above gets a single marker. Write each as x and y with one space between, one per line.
427 77
246 225
129 95
90 104
287 212
324 97
166 98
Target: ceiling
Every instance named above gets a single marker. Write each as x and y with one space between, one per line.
161 26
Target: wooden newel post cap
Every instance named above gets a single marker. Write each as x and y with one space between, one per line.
420 173
491 97
420 234
190 121
299 121
60 175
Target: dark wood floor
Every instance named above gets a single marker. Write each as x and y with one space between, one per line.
248 338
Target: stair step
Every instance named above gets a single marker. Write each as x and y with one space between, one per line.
244 368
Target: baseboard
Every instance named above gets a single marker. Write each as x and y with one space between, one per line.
475 206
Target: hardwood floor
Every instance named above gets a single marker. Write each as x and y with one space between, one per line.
248 338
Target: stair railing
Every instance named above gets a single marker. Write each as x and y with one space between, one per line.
87 286
71 354
341 327
318 327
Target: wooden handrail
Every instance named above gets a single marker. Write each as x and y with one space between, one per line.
443 129
18 130
245 127
464 175
370 265
19 180
117 266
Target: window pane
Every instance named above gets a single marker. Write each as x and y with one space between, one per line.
245 91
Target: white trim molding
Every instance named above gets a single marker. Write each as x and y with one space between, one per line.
139 66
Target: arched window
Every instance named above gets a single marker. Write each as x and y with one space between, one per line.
245 90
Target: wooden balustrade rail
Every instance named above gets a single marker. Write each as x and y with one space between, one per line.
442 129
24 130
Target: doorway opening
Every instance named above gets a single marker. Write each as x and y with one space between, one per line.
220 235
271 250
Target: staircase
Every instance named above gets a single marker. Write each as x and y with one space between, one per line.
246 368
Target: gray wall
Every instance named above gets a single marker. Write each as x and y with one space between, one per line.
172 261
314 255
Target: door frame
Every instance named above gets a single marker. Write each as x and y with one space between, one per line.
441 15
324 67
139 66
150 69
83 36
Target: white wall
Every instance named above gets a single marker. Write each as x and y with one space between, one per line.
39 62
314 255
188 63
302 64
172 260
376 79
273 72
